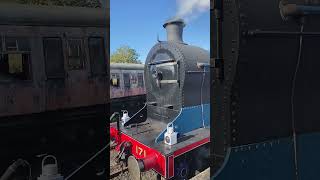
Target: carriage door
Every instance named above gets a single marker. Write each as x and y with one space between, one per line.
55 73
98 79
127 84
77 76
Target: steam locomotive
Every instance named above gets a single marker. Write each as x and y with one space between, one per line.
265 92
173 127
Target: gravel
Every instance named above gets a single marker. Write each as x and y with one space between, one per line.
114 166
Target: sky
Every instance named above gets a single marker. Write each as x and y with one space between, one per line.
137 23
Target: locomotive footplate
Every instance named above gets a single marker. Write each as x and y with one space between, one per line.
164 159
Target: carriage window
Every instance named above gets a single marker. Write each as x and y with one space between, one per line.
126 80
97 56
15 59
75 55
115 80
17 44
133 79
140 80
54 60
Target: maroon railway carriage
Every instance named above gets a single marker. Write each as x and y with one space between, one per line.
51 59
54 83
127 89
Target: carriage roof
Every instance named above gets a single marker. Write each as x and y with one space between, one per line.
32 15
127 66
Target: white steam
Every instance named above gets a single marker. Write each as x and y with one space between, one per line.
191 9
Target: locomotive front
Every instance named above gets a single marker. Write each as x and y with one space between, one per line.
177 82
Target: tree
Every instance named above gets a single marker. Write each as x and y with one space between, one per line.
125 54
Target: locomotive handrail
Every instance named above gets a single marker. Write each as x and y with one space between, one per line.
169 81
198 72
259 32
161 62
167 64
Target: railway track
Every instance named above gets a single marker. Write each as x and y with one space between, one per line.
119 171
116 169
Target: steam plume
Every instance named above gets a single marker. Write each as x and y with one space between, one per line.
191 9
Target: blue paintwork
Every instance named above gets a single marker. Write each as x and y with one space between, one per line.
308 156
190 118
271 160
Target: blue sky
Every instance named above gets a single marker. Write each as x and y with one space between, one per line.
137 23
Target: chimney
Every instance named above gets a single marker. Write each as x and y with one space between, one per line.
174 29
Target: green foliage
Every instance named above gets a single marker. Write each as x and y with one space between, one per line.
77 3
125 54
